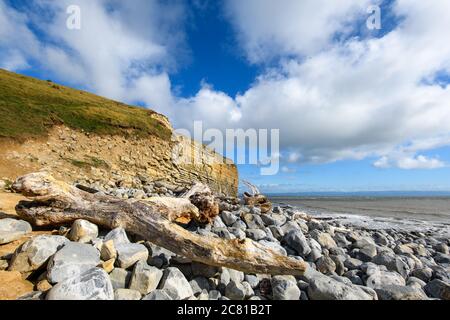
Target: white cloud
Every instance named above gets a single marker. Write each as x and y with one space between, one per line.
331 100
409 163
352 99
270 29
122 46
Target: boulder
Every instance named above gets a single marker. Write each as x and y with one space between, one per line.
83 231
285 288
326 265
438 289
175 284
392 262
130 253
352 263
198 284
118 235
255 234
158 295
382 279
296 240
442 248
93 284
120 278
11 230
325 288
253 221
108 251
425 274
228 218
235 291
127 294
393 292
35 253
72 260
324 239
273 219
145 278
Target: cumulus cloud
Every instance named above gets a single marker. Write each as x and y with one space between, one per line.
333 91
349 99
408 163
269 29
123 50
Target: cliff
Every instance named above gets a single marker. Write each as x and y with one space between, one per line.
78 136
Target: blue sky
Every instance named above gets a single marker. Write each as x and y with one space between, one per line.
357 109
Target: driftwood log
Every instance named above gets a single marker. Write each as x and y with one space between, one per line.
58 203
254 198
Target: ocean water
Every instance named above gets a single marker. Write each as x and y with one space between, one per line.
408 213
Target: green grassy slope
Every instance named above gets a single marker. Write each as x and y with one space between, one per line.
30 107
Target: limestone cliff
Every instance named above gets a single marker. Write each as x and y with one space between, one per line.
82 137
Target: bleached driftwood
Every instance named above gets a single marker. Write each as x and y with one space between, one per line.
58 203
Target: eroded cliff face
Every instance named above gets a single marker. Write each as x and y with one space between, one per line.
76 156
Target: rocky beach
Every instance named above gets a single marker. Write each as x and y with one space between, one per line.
83 261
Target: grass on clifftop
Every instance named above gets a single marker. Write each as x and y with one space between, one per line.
30 107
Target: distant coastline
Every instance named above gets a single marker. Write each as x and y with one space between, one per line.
364 194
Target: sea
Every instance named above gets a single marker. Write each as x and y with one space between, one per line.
423 212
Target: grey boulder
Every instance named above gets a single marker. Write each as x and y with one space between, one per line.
175 284
127 294
297 241
130 253
322 287
382 279
11 230
394 292
93 284
285 288
72 260
158 295
145 278
438 289
118 235
35 252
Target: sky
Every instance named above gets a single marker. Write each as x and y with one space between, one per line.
357 108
